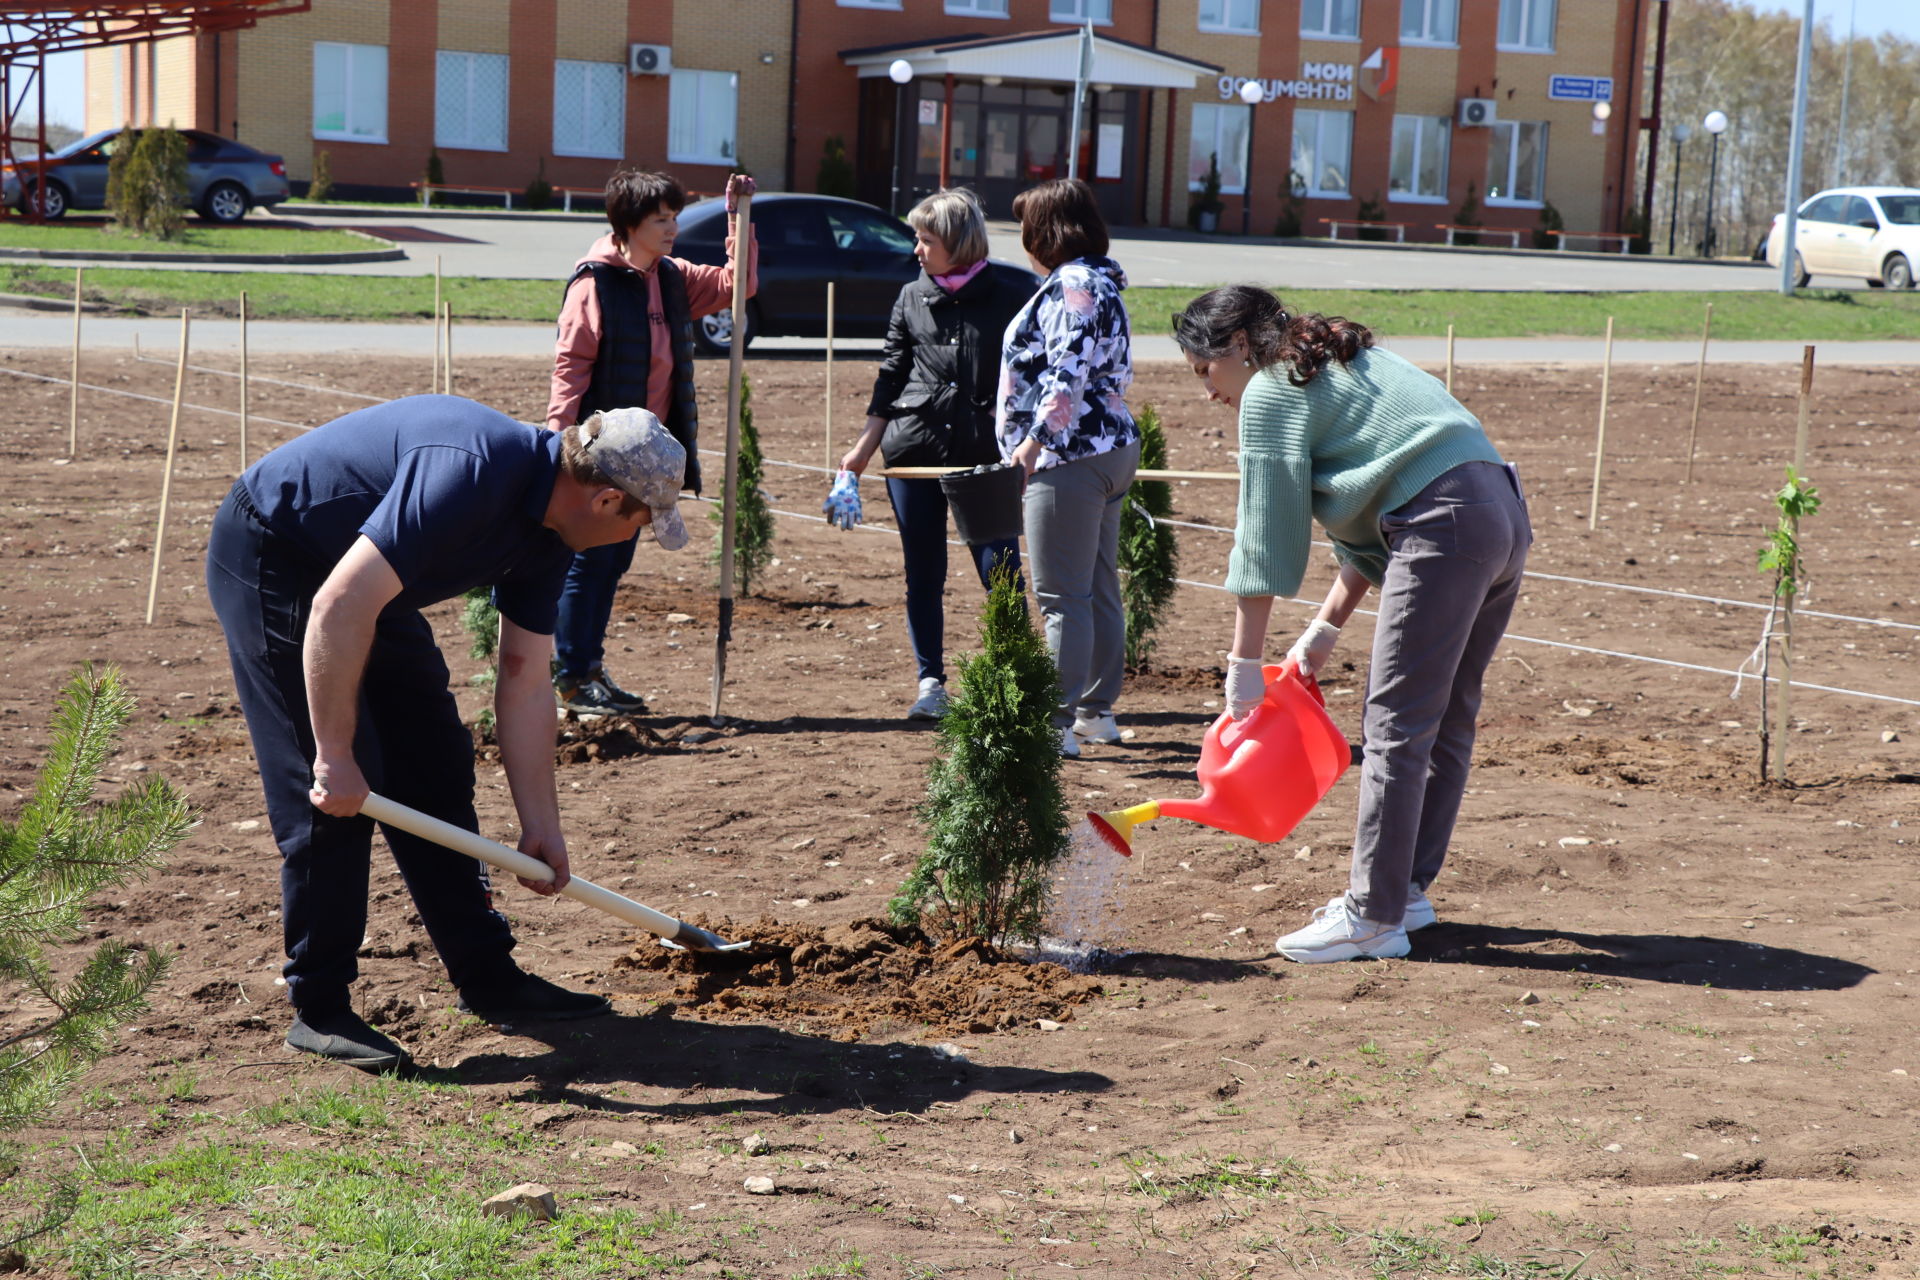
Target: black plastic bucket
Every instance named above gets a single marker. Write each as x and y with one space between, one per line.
985 502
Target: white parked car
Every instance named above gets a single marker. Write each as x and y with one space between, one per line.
1869 233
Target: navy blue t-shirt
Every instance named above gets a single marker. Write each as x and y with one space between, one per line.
450 491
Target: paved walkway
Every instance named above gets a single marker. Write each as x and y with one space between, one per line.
21 329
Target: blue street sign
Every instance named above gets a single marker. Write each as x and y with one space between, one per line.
1581 88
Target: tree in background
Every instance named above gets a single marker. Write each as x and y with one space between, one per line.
1149 556
539 192
835 177
322 185
148 195
60 851
994 812
1468 215
752 519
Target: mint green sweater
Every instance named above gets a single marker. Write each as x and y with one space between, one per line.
1356 442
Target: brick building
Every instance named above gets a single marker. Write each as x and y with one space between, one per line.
1409 106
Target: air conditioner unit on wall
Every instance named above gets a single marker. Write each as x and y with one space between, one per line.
649 59
1476 112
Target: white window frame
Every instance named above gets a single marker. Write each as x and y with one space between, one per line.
1081 12
354 54
1527 9
868 4
1326 33
1226 25
1427 9
467 61
619 149
1247 135
973 9
1319 119
688 157
1513 162
1422 125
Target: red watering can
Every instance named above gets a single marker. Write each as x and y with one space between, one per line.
1258 776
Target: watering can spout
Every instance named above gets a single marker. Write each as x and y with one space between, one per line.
1258 776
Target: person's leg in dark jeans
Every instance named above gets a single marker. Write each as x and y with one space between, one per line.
920 509
580 631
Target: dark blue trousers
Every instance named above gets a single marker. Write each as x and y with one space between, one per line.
920 509
586 606
410 744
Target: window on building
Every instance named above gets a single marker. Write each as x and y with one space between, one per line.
1330 19
1526 26
1219 129
702 107
977 8
1430 21
1419 166
1098 12
868 4
470 101
1322 150
589 109
1238 17
1517 169
349 92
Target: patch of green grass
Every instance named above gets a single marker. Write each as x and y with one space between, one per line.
1284 1177
1813 315
286 295
195 238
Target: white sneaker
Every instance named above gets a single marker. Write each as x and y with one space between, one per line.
1069 744
932 702
1337 934
1420 912
1098 727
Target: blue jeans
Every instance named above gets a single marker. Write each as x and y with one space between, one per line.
920 509
586 606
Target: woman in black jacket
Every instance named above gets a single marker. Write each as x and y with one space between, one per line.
933 406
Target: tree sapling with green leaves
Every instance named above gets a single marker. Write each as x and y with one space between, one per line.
994 812
482 622
752 519
1780 556
61 850
1149 556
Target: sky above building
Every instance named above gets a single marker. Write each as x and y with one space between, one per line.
66 77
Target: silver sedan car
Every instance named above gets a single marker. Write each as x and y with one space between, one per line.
224 178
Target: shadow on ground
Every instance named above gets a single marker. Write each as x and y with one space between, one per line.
1693 960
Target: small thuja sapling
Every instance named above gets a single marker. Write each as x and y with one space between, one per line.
59 851
482 622
1149 556
752 519
994 813
1780 556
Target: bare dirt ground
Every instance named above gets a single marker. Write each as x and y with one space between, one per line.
1664 1027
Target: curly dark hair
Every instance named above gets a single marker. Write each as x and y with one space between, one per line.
1303 342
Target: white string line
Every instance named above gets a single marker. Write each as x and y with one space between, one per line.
135 395
1552 644
278 382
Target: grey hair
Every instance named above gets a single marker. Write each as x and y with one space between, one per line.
954 218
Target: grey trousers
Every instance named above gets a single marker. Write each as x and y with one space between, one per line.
1072 515
1455 556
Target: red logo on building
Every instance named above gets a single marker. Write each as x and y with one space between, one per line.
1380 73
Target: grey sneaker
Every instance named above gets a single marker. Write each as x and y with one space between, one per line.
343 1037
1098 727
1337 934
631 704
932 702
1420 912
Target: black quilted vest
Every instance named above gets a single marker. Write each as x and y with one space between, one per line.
626 350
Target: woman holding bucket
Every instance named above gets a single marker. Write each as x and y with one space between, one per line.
1063 418
932 405
1417 503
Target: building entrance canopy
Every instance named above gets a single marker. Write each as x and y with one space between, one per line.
1038 56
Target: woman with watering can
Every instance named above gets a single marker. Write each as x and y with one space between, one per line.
932 405
1417 503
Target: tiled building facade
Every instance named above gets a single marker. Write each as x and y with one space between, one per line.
1361 101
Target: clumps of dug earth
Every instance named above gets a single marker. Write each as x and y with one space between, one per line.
846 979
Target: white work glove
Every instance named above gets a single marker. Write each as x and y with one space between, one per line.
1246 686
843 501
1315 645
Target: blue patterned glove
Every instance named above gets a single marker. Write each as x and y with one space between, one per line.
843 501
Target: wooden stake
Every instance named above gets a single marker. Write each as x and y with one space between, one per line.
73 399
831 465
1600 442
1449 359
243 380
736 353
1699 374
166 477
448 366
1806 410
434 387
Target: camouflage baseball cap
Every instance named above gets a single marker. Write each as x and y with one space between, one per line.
635 451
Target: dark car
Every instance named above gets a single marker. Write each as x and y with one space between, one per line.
805 241
224 178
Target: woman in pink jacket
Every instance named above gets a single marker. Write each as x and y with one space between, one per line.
626 340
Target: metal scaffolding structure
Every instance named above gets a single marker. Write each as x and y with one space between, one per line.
29 32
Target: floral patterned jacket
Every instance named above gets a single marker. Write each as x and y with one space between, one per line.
1066 365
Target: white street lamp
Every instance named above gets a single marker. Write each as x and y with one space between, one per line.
1715 124
900 71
